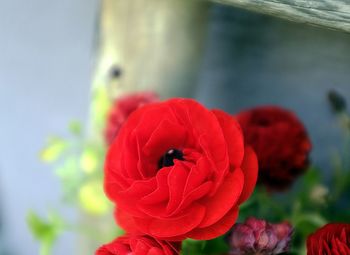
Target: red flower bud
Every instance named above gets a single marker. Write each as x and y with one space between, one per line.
121 110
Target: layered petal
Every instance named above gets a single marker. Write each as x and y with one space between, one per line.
217 229
224 199
172 227
139 245
333 238
250 171
177 170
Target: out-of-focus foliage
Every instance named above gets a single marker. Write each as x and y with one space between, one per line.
78 161
45 231
215 246
90 198
54 149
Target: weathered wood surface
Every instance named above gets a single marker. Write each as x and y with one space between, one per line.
333 14
157 44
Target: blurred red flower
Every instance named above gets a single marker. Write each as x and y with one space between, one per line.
121 110
280 141
178 170
139 245
331 239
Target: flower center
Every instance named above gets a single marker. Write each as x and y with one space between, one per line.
168 158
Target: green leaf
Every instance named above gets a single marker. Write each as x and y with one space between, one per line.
210 247
45 231
89 160
92 198
192 247
54 149
71 177
75 127
312 176
100 105
313 218
216 246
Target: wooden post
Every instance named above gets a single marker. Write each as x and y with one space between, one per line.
153 45
157 44
333 14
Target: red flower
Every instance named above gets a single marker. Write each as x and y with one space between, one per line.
332 239
138 245
178 170
121 110
280 142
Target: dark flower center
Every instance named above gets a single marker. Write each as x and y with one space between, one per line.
263 122
168 158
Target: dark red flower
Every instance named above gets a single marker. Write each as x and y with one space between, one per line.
121 110
258 237
280 142
179 170
139 245
331 239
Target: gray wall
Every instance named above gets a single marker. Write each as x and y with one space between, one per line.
45 68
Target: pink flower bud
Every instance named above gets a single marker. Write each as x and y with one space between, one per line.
258 237
243 237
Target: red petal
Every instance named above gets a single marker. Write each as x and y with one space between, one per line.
176 181
126 221
167 135
204 126
233 136
129 199
161 194
198 174
224 199
218 229
250 171
172 227
194 195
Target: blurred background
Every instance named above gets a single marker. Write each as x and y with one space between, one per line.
54 54
46 69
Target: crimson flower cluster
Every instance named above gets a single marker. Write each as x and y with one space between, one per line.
332 239
280 141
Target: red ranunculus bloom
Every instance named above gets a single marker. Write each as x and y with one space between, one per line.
280 142
332 239
139 245
179 170
121 110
